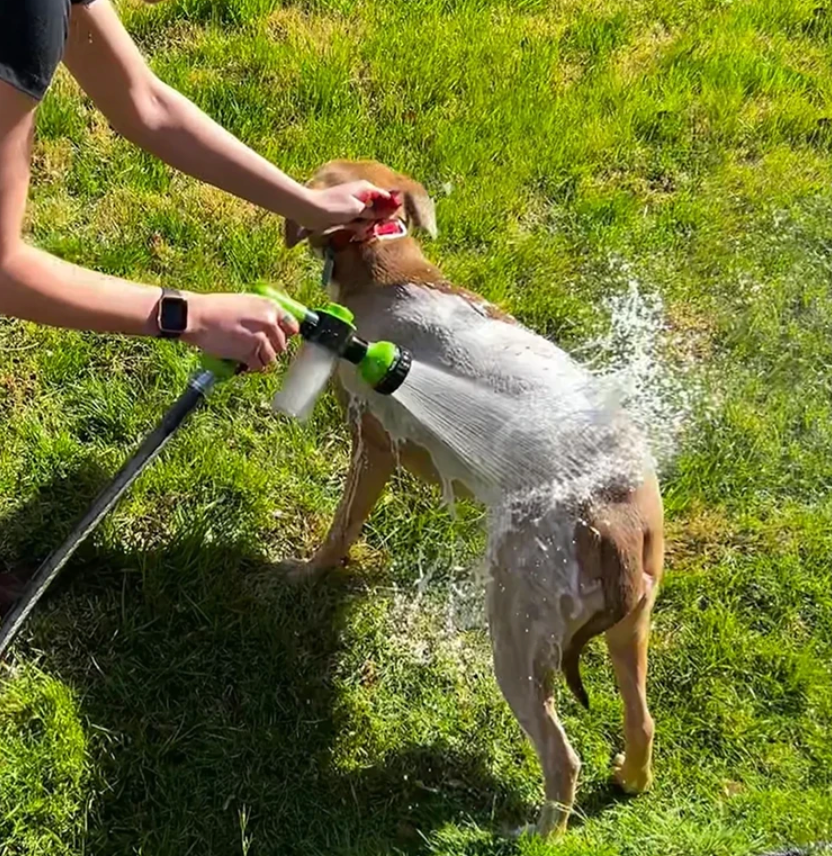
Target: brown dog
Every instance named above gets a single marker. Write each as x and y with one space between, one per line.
560 573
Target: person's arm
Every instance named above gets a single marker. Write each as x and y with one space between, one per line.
39 287
36 286
110 69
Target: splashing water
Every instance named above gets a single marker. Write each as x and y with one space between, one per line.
570 429
509 440
659 396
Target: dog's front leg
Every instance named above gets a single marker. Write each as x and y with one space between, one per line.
373 461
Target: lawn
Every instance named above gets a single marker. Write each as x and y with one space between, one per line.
175 696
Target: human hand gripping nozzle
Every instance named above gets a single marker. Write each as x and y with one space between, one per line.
329 335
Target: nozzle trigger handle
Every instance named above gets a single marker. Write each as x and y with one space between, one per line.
226 369
221 369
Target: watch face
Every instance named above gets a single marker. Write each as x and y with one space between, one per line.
173 317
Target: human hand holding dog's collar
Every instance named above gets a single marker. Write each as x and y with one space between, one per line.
341 204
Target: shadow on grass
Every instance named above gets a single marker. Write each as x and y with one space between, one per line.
210 691
595 799
31 531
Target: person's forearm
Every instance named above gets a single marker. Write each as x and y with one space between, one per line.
38 287
179 133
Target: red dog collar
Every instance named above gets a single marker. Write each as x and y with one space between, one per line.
389 229
386 230
383 230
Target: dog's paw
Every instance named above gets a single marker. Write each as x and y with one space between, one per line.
551 823
631 779
553 820
528 830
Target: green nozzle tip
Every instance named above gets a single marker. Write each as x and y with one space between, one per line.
384 367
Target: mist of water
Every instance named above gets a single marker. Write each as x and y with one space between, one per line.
510 442
640 357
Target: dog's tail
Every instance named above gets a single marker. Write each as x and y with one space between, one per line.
571 658
620 571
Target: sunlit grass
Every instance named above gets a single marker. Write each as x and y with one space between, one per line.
185 700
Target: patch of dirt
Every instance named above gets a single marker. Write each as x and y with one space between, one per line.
643 53
703 536
308 30
691 332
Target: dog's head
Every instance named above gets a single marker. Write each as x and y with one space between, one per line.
417 208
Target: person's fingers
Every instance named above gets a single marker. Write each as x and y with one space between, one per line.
262 354
367 192
371 196
276 336
288 324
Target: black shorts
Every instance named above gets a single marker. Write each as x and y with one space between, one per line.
32 40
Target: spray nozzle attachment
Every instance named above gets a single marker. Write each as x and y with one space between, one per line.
382 365
385 366
328 335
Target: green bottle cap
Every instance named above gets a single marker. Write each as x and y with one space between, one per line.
338 311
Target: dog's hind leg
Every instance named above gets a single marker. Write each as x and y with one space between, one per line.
372 463
627 645
522 666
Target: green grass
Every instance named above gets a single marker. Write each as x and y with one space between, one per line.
175 696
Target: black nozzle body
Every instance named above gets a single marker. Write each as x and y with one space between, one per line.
336 335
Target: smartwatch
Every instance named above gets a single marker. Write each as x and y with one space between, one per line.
172 314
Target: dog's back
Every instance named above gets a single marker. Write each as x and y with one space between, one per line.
553 426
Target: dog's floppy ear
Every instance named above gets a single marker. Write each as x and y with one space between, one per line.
419 206
293 233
